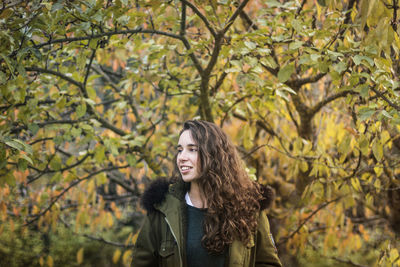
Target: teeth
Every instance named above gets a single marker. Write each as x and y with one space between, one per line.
185 168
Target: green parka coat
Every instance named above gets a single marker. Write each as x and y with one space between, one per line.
161 241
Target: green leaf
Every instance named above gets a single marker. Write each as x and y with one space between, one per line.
57 6
364 90
19 145
91 93
34 128
285 72
99 154
55 163
363 144
22 164
295 45
340 67
56 177
81 110
9 179
273 3
131 159
365 113
269 62
250 45
377 149
28 159
357 59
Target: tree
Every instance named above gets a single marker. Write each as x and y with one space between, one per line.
93 94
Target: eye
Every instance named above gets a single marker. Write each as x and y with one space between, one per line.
193 150
179 150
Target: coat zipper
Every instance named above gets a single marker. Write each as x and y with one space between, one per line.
176 239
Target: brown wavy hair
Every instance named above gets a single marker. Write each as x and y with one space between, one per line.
232 197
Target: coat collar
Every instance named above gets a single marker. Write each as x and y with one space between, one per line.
157 191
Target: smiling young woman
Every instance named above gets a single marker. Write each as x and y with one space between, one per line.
210 213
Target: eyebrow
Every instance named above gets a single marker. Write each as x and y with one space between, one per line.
189 145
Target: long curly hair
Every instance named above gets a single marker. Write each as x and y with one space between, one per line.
232 197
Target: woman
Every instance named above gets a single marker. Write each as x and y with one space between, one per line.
212 215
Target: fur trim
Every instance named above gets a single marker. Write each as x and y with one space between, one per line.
268 197
155 194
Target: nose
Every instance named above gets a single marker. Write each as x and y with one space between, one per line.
182 156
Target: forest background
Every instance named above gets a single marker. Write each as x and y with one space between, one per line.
93 94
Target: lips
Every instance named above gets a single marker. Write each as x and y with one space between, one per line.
185 169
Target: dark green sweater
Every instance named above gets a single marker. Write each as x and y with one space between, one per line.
197 255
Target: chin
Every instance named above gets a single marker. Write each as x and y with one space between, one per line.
188 179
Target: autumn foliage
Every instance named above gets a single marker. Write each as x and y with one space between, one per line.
93 94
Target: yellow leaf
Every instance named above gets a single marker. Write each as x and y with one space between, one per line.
394 254
303 166
356 184
116 256
90 187
79 256
378 171
357 242
50 261
377 185
126 258
41 261
110 220
134 238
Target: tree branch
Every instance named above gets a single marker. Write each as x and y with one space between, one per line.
322 206
71 185
201 16
107 34
88 70
321 104
234 16
121 183
297 83
100 239
342 29
394 20
68 167
301 7
56 73
393 105
41 124
183 19
104 122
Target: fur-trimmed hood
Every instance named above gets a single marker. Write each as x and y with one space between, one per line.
158 189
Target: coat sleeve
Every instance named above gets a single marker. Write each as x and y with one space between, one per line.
145 250
266 253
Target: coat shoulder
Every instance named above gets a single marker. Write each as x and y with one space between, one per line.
155 193
268 196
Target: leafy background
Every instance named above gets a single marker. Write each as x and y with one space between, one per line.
93 94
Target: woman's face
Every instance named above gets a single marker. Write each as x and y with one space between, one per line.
187 159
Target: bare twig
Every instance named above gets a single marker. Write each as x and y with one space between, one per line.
100 239
320 207
71 185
